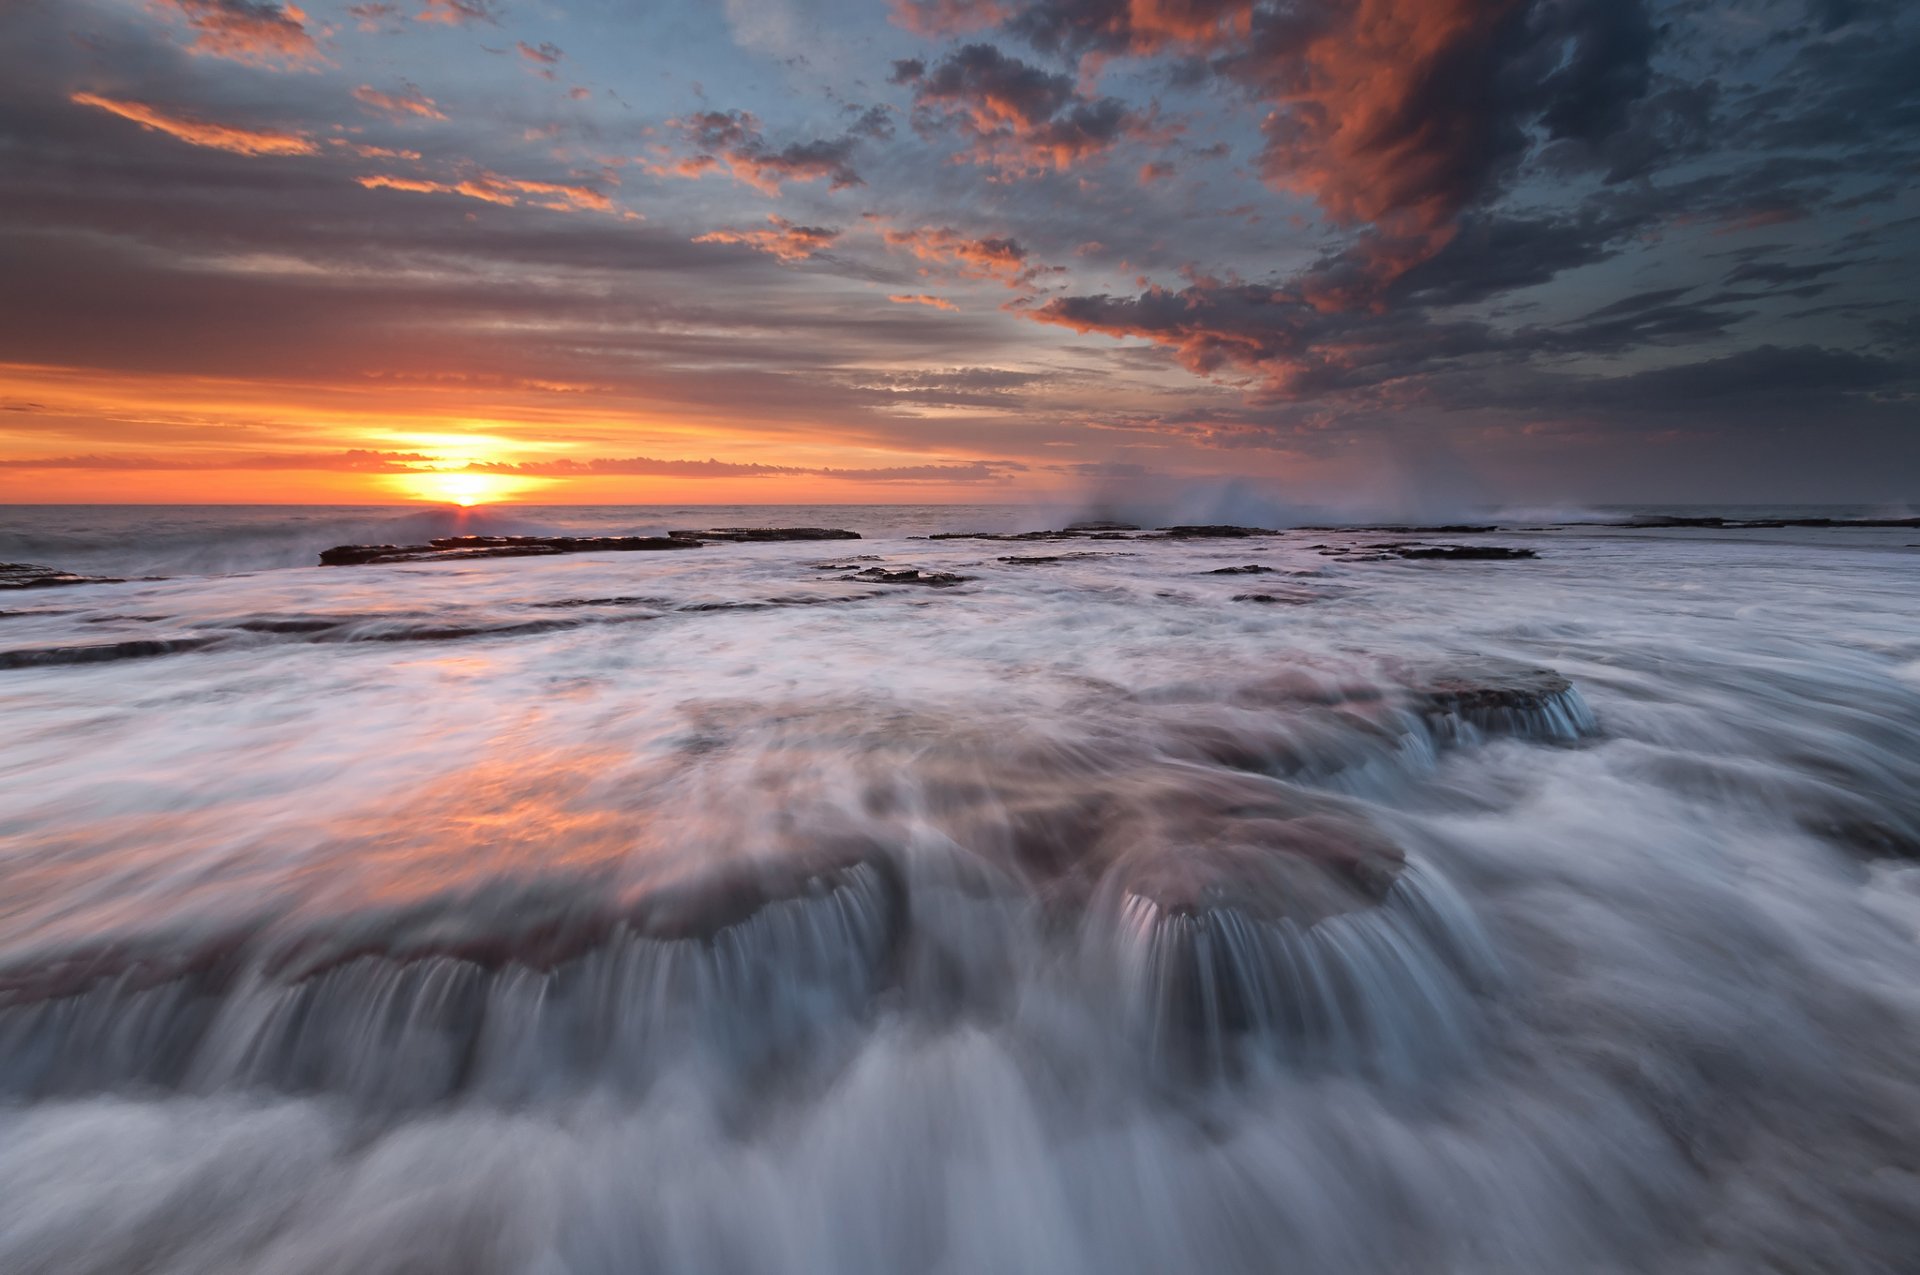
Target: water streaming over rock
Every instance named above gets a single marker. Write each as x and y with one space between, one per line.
714 912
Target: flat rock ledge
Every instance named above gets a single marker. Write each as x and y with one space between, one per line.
26 575
460 548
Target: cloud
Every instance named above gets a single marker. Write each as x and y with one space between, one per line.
732 139
373 16
1019 118
544 56
968 472
410 103
353 461
947 17
963 257
922 298
196 132
783 239
455 13
492 188
255 32
360 461
1394 117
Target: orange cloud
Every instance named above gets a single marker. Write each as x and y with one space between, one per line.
785 240
372 152
455 13
220 137
1001 259
922 298
492 188
947 17
256 32
399 106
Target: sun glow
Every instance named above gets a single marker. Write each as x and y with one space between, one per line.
460 487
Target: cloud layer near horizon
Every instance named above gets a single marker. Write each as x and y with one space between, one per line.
1582 249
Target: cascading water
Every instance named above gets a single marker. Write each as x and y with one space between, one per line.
716 912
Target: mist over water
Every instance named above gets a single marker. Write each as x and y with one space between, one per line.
714 911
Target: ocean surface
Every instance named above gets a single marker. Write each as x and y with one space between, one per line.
721 911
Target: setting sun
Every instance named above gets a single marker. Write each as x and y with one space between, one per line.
460 487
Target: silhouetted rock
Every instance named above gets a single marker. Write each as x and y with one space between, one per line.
760 534
1213 531
908 575
1037 560
460 548
1251 569
1461 553
25 575
1100 526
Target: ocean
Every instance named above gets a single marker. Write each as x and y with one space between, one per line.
1319 901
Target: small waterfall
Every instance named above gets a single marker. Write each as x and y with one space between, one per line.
401 1029
1384 990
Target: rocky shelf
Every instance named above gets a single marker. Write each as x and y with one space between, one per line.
460 548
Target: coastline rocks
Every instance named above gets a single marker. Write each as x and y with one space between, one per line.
907 575
26 575
1251 569
1462 553
1215 531
1502 699
1430 553
746 965
759 535
460 548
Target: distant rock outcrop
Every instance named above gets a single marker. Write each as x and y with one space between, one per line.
760 535
458 548
25 575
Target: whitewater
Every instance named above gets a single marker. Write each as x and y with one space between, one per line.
1130 904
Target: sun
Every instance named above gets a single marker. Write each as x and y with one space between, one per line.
462 487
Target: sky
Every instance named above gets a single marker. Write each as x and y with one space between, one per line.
878 251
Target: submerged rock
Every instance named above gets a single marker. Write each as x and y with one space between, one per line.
1251 569
497 998
101 652
26 575
460 548
1498 698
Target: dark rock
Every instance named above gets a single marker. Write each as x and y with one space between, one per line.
1297 599
460 548
908 575
101 652
1215 532
1037 560
421 1003
763 534
1460 553
1251 569
1100 526
25 575
1004 535
1751 524
1499 698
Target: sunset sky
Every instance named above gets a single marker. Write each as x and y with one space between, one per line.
936 250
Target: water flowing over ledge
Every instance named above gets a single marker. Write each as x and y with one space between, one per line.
709 911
